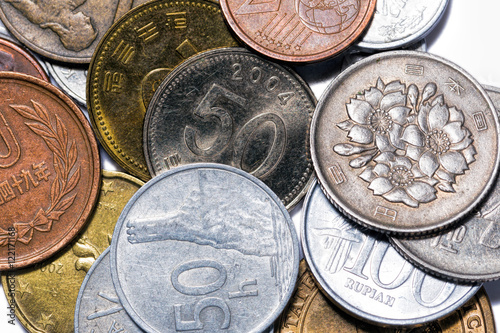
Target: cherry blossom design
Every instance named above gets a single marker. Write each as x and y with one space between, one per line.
407 143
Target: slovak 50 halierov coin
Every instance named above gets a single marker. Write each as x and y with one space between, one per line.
405 142
214 250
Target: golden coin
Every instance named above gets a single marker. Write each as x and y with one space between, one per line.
45 295
309 311
131 61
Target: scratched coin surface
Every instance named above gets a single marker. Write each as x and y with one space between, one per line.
46 294
468 252
62 30
310 311
218 246
14 59
233 107
362 273
49 170
98 308
71 79
405 142
298 30
397 23
133 58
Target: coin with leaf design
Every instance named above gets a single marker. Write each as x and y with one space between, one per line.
405 142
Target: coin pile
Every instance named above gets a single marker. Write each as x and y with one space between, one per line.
398 231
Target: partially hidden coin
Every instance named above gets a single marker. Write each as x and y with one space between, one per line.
71 79
310 311
218 246
362 273
49 170
405 142
297 30
468 252
98 308
233 107
67 31
14 59
398 23
45 295
133 58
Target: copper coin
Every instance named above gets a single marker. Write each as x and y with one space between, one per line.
49 170
298 30
14 59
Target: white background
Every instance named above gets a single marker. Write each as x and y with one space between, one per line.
468 36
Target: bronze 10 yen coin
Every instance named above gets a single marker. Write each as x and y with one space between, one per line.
298 30
405 142
49 170
14 59
131 61
233 107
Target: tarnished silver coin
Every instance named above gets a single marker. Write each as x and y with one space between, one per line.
361 272
98 308
405 142
204 247
233 107
468 252
397 23
71 79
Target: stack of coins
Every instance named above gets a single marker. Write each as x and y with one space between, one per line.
398 231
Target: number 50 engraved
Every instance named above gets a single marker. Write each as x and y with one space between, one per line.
207 112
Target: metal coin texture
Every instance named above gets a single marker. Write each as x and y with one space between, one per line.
468 252
405 142
45 295
398 23
233 107
49 170
363 274
14 59
67 31
71 79
310 311
219 248
298 31
132 60
98 308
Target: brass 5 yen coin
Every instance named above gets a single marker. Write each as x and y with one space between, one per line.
405 142
49 170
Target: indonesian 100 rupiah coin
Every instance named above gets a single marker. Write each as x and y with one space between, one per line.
233 107
49 170
133 58
363 274
298 30
45 295
469 251
405 142
67 31
310 311
219 248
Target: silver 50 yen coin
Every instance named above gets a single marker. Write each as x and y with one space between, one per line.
214 250
361 272
405 142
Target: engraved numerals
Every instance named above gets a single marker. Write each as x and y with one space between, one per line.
10 155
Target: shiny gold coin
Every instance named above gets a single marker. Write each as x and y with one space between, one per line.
45 295
131 61
309 311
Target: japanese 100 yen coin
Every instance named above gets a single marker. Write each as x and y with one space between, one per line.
49 170
218 246
133 58
363 274
233 107
297 30
405 142
14 59
45 295
67 31
310 311
469 251
396 24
